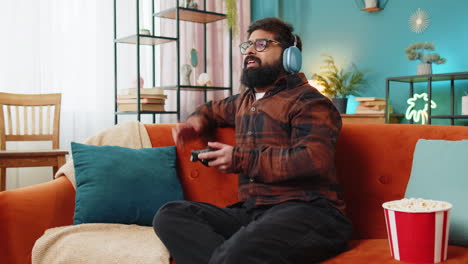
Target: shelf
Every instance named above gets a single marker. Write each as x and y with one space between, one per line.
144 112
195 88
192 15
372 9
145 40
429 79
450 117
370 118
435 77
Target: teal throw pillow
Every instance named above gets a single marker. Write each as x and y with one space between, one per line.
123 185
440 172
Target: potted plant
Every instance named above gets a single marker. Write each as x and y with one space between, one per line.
231 13
338 83
416 50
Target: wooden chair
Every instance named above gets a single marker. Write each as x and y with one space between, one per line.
29 117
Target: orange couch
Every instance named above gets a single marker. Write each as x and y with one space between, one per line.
373 163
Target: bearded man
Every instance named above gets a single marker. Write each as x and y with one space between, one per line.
290 208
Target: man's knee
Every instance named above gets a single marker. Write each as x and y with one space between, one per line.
164 217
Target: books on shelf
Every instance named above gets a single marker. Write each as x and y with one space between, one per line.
133 100
151 99
371 105
142 96
143 107
145 91
373 99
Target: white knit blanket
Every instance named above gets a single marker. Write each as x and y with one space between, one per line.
130 134
100 243
103 243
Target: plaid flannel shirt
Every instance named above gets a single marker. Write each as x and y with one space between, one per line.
285 142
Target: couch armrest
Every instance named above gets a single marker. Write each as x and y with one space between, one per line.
25 214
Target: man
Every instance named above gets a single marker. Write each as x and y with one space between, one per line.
290 208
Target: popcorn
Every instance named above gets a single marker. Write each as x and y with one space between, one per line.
418 229
417 205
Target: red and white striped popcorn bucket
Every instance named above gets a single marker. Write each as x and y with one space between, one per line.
415 235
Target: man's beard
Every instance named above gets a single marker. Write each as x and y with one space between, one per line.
262 75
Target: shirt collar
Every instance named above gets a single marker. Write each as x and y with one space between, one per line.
289 81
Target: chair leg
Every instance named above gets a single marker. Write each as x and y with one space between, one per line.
2 179
54 171
60 162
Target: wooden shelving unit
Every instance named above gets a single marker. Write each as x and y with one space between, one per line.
178 14
370 118
429 79
145 39
191 15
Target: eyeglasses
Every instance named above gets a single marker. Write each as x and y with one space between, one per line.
260 45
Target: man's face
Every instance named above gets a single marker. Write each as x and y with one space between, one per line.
262 68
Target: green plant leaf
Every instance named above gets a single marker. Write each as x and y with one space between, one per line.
338 82
231 13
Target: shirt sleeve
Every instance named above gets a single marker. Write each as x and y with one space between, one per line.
315 125
217 113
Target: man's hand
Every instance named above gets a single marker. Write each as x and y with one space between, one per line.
222 156
187 131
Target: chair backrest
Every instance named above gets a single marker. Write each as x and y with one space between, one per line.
29 117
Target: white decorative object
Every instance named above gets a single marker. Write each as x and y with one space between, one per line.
418 114
204 80
464 107
371 3
424 69
145 31
418 21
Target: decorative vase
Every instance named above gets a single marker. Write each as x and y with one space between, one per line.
424 68
340 104
371 3
185 71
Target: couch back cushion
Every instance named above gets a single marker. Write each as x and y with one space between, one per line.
439 172
199 183
374 165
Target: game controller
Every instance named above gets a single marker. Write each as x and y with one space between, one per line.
194 156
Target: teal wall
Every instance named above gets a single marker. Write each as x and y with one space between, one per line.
375 42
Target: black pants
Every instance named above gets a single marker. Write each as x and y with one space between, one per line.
290 232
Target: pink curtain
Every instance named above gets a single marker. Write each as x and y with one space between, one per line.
217 57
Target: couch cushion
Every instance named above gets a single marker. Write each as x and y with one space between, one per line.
200 183
378 251
123 185
100 243
373 163
439 172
